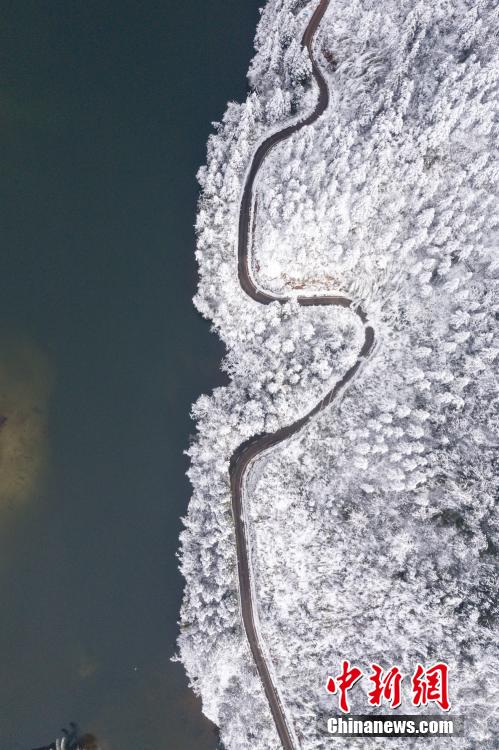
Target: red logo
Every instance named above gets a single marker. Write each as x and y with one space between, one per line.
430 685
343 683
386 686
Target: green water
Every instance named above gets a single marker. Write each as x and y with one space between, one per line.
105 108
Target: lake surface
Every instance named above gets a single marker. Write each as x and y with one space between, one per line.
105 109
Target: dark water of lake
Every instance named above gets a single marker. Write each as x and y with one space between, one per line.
105 108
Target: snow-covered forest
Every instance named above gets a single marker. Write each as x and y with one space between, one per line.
375 531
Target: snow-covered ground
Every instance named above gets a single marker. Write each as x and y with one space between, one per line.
375 531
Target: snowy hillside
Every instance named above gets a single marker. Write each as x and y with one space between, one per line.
375 531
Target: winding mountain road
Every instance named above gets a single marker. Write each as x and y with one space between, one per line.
249 451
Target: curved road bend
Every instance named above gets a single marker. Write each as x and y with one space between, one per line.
252 448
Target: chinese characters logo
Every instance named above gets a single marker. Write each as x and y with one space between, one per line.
430 685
